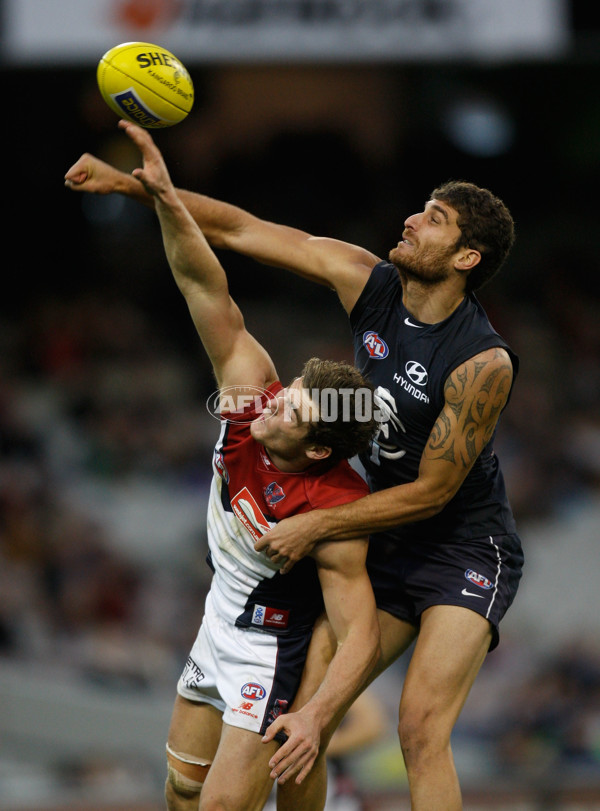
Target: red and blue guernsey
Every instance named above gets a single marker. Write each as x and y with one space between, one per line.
248 496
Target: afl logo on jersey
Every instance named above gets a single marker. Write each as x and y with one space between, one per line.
375 346
416 373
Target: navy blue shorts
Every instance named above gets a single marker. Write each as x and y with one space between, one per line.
481 574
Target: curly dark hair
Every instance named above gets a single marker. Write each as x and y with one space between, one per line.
350 425
485 223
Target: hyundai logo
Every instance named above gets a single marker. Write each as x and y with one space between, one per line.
416 372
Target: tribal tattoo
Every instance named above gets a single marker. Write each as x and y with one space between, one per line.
475 392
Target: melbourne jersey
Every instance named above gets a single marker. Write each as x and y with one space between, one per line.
409 362
248 496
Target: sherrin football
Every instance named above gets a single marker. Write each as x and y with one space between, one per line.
146 84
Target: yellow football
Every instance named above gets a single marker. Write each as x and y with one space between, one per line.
146 84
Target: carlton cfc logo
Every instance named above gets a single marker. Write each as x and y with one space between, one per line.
375 346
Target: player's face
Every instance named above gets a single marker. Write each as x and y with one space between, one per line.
427 250
284 423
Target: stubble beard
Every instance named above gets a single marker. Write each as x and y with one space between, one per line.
429 269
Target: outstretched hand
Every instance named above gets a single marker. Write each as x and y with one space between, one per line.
290 540
90 174
154 176
298 754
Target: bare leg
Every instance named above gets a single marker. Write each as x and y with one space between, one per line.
310 794
238 779
193 739
449 652
396 636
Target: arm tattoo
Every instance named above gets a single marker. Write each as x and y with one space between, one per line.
475 393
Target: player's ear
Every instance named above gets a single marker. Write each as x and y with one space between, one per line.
467 259
318 452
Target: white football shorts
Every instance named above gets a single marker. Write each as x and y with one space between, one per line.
250 676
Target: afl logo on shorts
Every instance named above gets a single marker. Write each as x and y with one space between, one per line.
253 691
375 346
478 579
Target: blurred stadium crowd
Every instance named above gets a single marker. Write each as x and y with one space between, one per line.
106 442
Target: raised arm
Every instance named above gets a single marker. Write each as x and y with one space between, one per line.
237 358
475 394
333 263
350 607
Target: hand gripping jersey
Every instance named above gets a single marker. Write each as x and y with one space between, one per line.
409 362
248 496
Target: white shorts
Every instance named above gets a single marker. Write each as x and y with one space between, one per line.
250 676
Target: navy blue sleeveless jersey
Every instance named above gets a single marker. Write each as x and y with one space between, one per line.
411 361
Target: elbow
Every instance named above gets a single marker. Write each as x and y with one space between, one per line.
218 239
436 504
436 498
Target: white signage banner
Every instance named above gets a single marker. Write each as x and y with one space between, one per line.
200 32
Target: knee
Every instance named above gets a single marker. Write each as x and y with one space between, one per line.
410 735
178 796
185 778
180 791
419 735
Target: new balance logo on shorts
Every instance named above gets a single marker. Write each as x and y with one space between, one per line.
245 708
271 617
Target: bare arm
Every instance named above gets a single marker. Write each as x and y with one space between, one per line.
351 612
330 262
236 356
475 394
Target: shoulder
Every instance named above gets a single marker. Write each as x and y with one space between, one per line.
467 337
381 286
495 358
382 274
488 371
339 484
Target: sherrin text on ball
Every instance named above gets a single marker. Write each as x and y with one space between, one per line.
146 84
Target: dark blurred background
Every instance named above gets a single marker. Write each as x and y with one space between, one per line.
105 441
